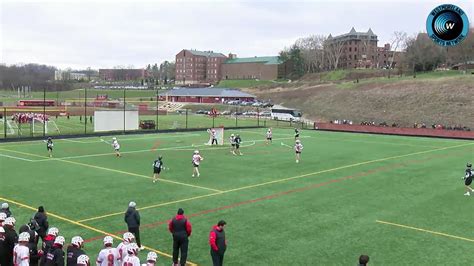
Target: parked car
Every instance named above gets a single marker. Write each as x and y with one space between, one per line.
265 105
180 112
225 113
237 113
202 112
147 124
265 114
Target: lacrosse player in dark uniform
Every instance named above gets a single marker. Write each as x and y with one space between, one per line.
157 166
49 146
468 175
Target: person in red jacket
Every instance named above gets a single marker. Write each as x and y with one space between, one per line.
218 243
181 229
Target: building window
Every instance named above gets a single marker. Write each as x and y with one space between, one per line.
355 49
350 49
355 57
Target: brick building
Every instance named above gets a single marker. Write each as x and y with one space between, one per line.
194 67
360 50
262 67
122 74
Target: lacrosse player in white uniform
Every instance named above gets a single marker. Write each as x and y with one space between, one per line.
298 150
116 146
197 158
131 259
21 252
109 255
122 247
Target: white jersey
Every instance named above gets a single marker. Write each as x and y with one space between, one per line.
269 134
131 261
214 134
116 145
298 147
232 140
197 159
122 251
21 256
148 264
108 257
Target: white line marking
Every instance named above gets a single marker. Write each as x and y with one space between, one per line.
17 158
150 150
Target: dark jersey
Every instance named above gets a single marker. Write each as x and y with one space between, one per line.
237 140
49 144
157 164
54 257
469 173
72 254
47 245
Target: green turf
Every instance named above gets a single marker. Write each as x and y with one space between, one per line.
322 211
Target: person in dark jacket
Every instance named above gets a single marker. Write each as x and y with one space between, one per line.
181 229
55 255
132 218
42 219
11 238
218 243
74 251
6 209
31 229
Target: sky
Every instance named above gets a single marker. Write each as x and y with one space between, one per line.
103 34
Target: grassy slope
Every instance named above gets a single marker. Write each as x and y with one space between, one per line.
322 222
444 97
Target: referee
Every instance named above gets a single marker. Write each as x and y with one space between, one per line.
181 229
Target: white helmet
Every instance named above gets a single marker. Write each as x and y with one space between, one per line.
53 231
83 260
59 240
231 135
298 141
4 205
128 237
108 240
114 138
132 204
77 241
151 256
132 249
24 237
10 221
3 216
196 151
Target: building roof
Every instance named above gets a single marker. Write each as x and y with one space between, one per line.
206 53
208 92
267 60
355 34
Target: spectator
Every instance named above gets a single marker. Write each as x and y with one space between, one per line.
11 238
132 218
218 243
42 219
3 246
181 229
6 209
363 260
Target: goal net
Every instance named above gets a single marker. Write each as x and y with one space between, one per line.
219 135
115 120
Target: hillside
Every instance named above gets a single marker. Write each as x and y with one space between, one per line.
444 97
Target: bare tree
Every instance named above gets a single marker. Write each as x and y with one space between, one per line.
397 43
312 52
333 50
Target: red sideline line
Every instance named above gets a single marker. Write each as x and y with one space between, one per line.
279 194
